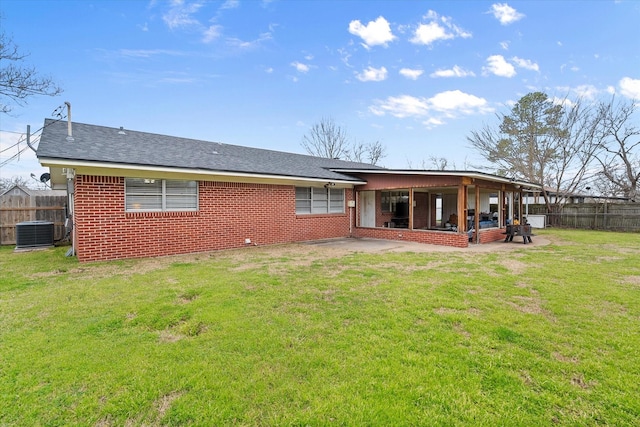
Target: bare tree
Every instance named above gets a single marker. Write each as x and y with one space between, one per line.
541 141
619 141
7 183
19 81
440 163
327 139
366 153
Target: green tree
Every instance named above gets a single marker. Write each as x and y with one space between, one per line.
543 141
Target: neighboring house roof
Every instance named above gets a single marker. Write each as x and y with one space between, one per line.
33 192
107 146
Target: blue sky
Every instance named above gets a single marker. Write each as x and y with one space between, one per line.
418 76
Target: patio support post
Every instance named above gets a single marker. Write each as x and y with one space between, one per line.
476 218
411 208
462 208
520 205
502 216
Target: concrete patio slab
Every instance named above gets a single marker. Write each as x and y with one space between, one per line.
353 244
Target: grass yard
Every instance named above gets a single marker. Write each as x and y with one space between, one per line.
302 335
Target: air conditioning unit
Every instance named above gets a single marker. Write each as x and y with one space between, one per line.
34 234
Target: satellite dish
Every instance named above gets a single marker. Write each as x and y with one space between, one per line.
45 177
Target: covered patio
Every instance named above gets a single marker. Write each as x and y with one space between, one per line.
451 208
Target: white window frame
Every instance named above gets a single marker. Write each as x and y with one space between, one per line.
319 200
165 195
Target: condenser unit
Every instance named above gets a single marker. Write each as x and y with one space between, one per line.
34 234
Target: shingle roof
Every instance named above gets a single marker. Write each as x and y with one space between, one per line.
102 144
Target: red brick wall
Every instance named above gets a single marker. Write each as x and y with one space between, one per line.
443 238
228 214
491 235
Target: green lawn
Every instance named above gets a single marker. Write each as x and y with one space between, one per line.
301 335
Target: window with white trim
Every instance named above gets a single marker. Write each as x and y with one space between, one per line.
317 200
144 194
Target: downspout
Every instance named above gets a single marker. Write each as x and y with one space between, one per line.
71 207
71 186
29 138
349 205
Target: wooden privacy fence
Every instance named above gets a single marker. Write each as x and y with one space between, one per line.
593 216
19 205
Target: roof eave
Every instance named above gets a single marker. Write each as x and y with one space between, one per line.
67 163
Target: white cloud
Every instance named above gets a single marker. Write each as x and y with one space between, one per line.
428 33
250 44
212 33
583 91
505 13
148 53
458 101
439 28
525 63
586 91
565 102
230 4
401 106
496 64
180 15
375 33
453 72
433 122
448 104
371 74
630 87
411 73
300 67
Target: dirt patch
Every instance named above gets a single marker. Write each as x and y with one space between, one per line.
167 336
562 358
632 250
579 381
461 330
532 304
514 265
163 404
632 280
529 305
526 378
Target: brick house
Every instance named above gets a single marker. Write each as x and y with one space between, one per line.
137 194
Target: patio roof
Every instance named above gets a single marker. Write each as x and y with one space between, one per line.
525 185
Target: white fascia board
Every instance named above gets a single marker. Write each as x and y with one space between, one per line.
47 162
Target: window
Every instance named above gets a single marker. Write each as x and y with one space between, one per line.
311 200
160 195
389 199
